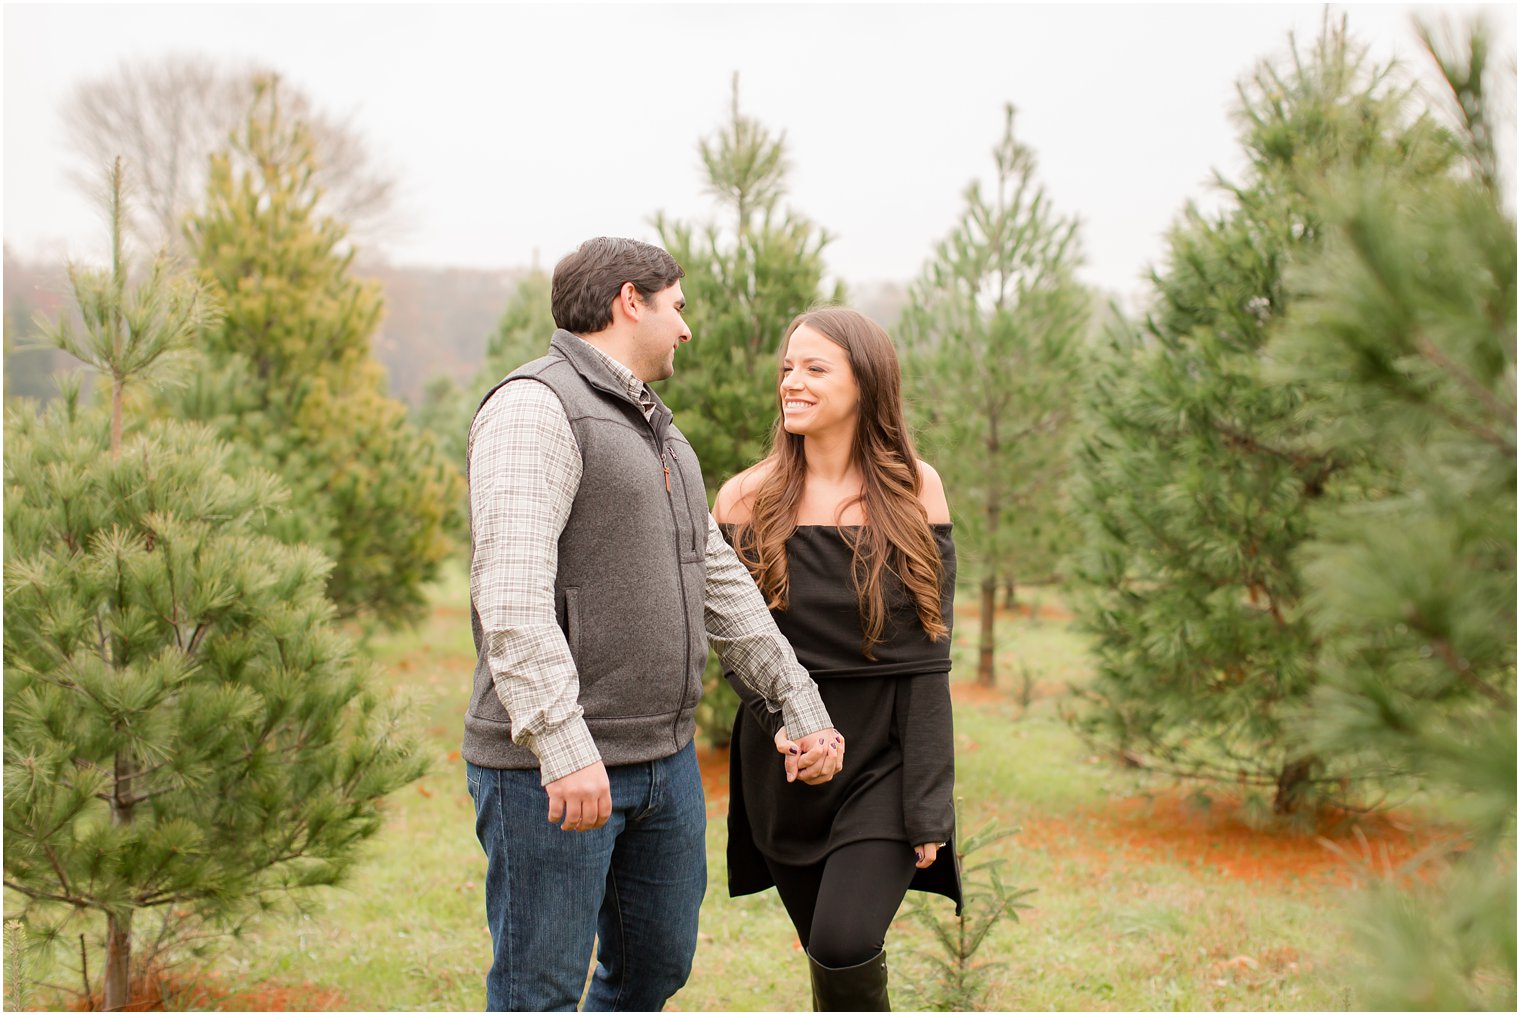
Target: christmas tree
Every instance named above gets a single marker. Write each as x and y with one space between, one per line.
289 379
187 735
993 329
746 278
1404 341
1198 480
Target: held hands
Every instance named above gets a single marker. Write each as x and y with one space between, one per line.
582 798
815 759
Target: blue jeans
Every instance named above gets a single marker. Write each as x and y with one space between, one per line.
635 884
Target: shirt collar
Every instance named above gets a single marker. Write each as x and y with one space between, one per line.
637 389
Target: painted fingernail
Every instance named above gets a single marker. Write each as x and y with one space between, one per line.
793 750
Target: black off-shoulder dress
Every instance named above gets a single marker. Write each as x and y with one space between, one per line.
898 781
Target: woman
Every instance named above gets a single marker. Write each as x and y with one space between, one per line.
847 534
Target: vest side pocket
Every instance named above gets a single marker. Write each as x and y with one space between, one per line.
570 620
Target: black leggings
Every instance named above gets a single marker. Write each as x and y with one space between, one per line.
843 905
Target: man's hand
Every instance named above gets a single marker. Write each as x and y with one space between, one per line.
583 799
815 759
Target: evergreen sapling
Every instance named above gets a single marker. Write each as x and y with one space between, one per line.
187 735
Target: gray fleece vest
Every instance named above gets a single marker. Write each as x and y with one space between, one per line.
632 569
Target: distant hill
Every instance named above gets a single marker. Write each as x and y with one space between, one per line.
32 289
436 322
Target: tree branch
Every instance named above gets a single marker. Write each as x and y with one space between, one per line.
1461 667
195 639
1235 438
1496 408
78 902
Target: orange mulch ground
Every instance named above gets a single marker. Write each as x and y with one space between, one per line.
171 992
967 692
1207 831
274 997
1176 828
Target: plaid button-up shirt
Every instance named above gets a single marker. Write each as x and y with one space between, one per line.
525 468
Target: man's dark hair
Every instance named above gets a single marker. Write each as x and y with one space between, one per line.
587 280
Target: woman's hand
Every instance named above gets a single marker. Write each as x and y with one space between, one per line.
815 759
927 853
790 752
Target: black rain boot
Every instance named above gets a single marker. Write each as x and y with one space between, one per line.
851 988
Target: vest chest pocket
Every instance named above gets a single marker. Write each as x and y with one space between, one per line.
693 495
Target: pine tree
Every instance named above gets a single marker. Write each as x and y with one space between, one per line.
186 734
289 376
746 278
1404 340
958 978
993 329
1197 483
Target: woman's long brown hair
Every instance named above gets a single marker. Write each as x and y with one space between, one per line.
897 537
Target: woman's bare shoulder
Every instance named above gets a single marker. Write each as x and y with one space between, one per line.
931 494
736 498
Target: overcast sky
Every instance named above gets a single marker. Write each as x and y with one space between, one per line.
516 130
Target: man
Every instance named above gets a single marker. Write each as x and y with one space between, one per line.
597 579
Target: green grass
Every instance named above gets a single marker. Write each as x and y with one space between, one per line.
1109 930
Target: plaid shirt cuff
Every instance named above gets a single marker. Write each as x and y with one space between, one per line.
564 750
803 710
